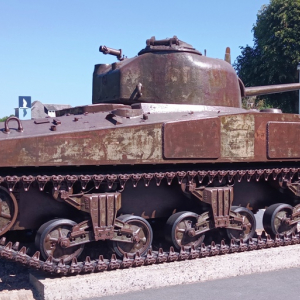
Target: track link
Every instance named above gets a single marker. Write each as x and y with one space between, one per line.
110 179
10 251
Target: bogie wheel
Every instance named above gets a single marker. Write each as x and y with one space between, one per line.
177 230
49 239
142 235
249 225
8 210
275 217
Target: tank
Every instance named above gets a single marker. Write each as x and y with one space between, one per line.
165 157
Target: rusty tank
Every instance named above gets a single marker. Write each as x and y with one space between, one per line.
164 152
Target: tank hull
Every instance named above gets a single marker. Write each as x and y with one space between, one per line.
103 138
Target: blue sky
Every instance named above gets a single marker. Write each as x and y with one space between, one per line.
48 49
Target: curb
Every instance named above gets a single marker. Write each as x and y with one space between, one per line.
166 274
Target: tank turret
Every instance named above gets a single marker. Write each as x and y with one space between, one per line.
167 71
171 71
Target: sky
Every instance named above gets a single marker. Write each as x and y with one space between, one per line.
48 48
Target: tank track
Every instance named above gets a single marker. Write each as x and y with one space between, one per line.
11 251
110 179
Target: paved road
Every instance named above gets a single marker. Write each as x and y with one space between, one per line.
282 284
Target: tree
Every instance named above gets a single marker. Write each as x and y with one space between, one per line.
4 118
276 52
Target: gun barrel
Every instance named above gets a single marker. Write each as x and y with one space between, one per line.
271 89
111 51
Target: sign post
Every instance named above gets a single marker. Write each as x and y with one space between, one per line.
24 107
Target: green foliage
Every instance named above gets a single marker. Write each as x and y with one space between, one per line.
4 118
255 103
276 52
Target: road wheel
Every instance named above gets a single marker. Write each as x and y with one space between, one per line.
177 230
51 238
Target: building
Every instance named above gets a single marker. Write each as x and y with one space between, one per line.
40 110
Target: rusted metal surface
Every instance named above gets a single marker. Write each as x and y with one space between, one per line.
8 210
192 139
6 125
111 51
220 200
170 72
11 252
93 139
170 44
237 136
86 109
103 210
86 147
283 140
271 89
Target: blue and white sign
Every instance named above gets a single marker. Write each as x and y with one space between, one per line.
24 107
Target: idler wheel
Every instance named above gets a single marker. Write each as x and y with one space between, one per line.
249 225
142 237
179 230
276 220
8 210
52 239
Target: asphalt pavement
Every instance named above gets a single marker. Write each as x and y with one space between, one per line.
281 284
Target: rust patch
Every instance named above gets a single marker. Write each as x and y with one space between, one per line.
192 139
283 140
